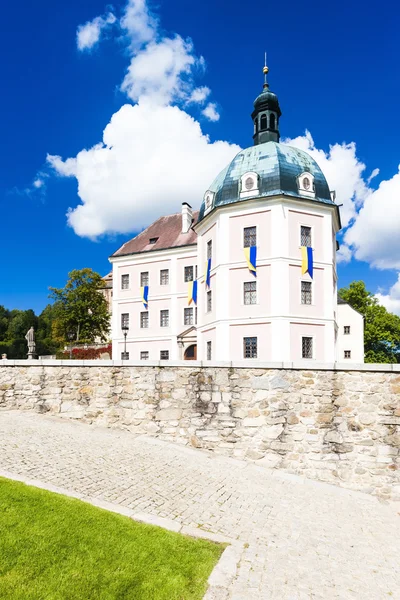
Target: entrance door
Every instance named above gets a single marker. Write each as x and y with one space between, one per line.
191 352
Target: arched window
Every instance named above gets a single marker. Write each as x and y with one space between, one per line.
272 121
256 125
263 124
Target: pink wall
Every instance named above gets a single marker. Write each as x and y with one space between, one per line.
237 277
261 330
261 220
152 347
297 331
135 308
207 317
316 309
134 278
190 261
209 335
298 218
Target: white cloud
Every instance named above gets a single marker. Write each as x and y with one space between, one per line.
139 24
199 95
210 112
391 301
375 234
88 35
162 72
65 168
153 158
374 173
343 171
38 183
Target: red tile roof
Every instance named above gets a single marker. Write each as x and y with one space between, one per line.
168 233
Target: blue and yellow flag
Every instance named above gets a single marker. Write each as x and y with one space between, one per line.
192 292
145 295
207 274
307 265
251 258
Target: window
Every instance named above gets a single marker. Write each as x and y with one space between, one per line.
272 121
347 353
188 316
188 273
144 355
153 240
164 277
124 282
256 126
209 301
195 272
209 249
307 347
305 236
263 124
144 278
249 237
208 199
124 355
124 320
250 347
144 320
346 329
164 354
195 315
306 294
250 292
164 318
209 350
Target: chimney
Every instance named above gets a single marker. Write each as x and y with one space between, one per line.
187 217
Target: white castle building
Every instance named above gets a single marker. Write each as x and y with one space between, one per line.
266 231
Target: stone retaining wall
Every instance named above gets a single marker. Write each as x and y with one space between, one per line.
341 427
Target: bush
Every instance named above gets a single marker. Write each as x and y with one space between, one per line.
85 353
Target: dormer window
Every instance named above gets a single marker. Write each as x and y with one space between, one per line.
306 186
153 240
249 185
208 201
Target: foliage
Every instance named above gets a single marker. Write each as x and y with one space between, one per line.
57 547
80 308
85 353
381 328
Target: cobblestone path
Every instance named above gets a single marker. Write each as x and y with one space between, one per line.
303 540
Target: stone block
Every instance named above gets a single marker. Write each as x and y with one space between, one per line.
168 414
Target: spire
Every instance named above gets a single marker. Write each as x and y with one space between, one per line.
266 113
265 71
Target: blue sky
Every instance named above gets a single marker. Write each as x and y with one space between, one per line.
334 68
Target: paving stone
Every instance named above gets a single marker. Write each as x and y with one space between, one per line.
298 538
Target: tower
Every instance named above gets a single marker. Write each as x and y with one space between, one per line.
266 114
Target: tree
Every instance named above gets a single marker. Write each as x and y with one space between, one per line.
80 308
381 328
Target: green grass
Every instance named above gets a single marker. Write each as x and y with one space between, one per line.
58 548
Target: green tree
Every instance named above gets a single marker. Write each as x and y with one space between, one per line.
80 308
381 328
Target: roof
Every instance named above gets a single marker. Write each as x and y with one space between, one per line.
340 300
277 166
165 233
108 280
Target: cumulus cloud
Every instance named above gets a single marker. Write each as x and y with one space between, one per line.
153 158
343 171
199 95
211 112
375 234
88 35
138 23
391 300
162 72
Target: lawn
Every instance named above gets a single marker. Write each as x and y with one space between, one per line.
58 548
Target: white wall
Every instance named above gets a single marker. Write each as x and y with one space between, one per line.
354 341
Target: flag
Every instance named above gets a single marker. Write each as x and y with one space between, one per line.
307 265
145 295
207 274
192 292
251 258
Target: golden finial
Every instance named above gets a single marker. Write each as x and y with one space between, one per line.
265 71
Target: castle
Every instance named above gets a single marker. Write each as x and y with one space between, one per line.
250 276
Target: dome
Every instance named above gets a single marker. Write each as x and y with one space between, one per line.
267 100
277 166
